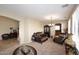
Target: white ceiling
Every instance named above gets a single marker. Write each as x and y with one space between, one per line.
36 11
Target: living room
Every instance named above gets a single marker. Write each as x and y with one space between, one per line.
32 20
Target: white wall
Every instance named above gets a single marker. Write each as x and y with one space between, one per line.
6 23
21 31
34 26
70 25
52 31
64 25
27 28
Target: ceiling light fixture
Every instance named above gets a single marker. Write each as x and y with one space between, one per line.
51 17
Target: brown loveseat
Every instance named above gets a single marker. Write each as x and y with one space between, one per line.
60 38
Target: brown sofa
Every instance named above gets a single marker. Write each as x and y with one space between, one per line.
39 37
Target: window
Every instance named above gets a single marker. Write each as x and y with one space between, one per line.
75 27
69 26
57 27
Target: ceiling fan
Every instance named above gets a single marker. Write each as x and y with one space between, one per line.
65 5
